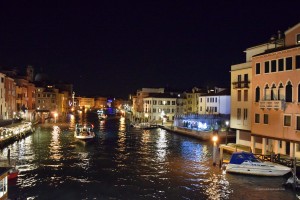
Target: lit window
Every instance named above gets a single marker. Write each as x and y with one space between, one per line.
298 39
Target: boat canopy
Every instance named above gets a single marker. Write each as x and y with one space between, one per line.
240 157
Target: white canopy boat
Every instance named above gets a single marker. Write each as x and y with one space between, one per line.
248 163
84 132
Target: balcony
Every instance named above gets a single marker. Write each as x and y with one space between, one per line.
272 104
241 84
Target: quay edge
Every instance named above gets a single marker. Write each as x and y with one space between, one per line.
7 136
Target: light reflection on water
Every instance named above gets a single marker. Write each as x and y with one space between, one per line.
125 163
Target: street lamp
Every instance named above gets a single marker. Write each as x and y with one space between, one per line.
162 117
215 139
146 116
227 123
55 116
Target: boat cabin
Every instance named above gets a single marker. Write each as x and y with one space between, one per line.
3 182
240 157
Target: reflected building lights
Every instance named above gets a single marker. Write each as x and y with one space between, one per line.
55 144
161 145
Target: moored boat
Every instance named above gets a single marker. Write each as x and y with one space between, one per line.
84 132
248 163
13 173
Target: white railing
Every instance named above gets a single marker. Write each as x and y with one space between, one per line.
272 104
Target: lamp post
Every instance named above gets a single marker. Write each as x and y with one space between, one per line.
55 116
227 123
162 117
215 139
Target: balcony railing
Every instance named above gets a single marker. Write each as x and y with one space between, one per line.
272 104
241 84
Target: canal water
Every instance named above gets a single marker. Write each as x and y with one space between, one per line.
127 163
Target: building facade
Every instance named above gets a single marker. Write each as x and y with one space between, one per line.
159 107
3 111
10 97
276 89
242 93
216 101
138 101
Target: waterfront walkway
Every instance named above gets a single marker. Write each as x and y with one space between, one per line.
13 130
202 135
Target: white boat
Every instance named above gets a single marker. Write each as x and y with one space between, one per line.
248 163
84 132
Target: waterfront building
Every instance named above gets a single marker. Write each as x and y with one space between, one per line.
3 112
159 107
138 101
180 102
10 97
100 102
191 101
62 102
242 93
276 96
25 100
86 102
46 101
216 101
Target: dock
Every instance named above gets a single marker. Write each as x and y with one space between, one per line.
15 132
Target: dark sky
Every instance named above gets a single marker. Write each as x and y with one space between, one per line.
117 47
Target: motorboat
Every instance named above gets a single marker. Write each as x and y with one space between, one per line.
248 163
13 173
145 125
84 132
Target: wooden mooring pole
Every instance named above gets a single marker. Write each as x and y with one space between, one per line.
294 174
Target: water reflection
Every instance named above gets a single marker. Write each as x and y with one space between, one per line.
162 145
127 163
55 146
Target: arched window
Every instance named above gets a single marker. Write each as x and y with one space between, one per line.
273 95
257 94
289 92
267 93
280 92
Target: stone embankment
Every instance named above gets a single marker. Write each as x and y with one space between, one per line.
202 135
13 132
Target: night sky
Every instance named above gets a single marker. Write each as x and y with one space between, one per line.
117 47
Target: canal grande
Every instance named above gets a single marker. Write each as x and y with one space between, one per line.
126 163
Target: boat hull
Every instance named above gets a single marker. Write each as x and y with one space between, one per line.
257 170
13 174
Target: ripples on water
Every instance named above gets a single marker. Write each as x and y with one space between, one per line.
126 163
